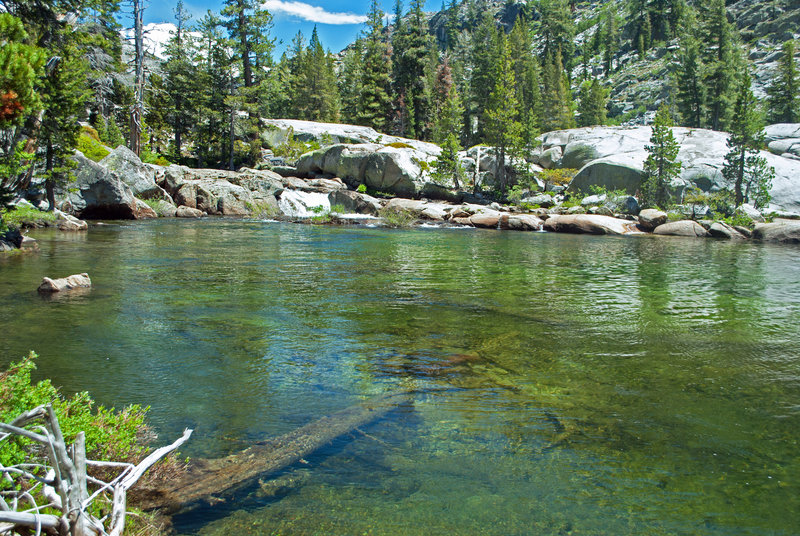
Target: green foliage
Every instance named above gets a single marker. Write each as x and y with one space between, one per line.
602 190
315 93
91 147
740 219
362 188
447 167
556 97
21 65
12 165
397 218
660 167
337 209
21 216
720 203
399 145
723 64
784 92
151 157
691 91
503 129
370 75
592 107
743 167
292 148
110 435
113 137
160 207
261 210
561 176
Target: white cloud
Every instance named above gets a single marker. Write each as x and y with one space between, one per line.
312 13
155 37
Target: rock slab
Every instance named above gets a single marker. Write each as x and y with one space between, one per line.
65 283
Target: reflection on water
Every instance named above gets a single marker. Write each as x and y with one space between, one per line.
565 384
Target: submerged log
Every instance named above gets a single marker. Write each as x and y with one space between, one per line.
206 481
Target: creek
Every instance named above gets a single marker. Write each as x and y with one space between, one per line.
564 384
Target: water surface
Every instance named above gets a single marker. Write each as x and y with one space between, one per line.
565 384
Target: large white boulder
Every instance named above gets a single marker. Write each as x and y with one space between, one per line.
613 157
278 131
401 171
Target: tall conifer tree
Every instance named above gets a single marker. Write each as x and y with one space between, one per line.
784 93
503 129
743 166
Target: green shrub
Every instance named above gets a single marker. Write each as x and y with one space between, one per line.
602 190
362 188
740 219
397 217
90 132
292 148
150 157
561 176
91 147
159 206
110 435
26 217
337 209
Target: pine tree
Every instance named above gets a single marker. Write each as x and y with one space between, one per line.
689 74
503 129
180 75
723 62
375 102
103 49
316 95
556 97
482 59
784 93
557 30
743 166
660 167
592 107
527 80
351 80
411 68
64 93
610 38
448 105
213 139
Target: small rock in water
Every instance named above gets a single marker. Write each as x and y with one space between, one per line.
65 283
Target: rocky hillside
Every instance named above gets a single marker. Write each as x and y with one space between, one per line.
640 85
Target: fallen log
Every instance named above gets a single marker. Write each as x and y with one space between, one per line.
207 481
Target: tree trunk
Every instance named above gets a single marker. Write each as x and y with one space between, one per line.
207 480
738 197
49 184
138 106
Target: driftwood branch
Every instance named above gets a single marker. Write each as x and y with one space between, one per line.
65 485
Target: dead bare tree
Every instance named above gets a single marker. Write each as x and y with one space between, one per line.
137 109
58 481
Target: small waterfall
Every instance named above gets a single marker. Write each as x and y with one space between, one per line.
297 204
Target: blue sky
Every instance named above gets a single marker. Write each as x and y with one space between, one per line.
338 21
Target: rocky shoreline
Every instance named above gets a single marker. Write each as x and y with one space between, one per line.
330 185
